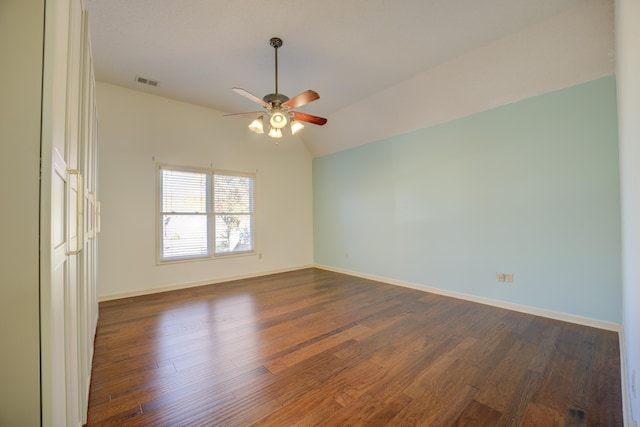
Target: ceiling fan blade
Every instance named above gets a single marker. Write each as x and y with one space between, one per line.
301 99
249 114
250 96
303 117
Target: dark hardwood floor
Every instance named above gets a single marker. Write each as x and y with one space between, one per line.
311 348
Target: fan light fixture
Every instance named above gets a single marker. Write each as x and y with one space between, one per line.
278 120
296 127
257 126
279 108
275 133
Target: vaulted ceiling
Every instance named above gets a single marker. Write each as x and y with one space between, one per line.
346 50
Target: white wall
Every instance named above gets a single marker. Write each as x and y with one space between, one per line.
134 129
21 37
628 81
571 48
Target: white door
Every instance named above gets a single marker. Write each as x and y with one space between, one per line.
62 204
54 402
86 289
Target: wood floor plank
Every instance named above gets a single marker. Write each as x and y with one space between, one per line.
545 349
429 380
477 414
538 415
515 409
578 407
556 381
312 347
500 381
317 416
439 412
304 352
409 366
605 394
368 411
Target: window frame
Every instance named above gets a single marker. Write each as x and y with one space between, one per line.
210 214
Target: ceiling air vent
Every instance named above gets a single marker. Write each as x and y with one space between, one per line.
147 81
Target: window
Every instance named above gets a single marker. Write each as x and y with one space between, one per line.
204 212
184 214
233 210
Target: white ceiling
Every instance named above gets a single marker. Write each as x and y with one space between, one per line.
346 50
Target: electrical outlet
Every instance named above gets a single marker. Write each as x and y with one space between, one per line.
508 277
501 277
346 254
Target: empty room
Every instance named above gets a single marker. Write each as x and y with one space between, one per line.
365 213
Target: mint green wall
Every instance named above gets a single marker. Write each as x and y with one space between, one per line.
530 188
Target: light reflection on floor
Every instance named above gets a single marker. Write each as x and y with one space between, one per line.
226 333
228 338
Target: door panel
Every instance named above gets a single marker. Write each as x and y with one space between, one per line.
65 302
53 307
86 289
58 205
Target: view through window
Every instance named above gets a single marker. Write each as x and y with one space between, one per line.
204 212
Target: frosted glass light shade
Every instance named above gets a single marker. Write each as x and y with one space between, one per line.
275 133
296 127
278 120
256 125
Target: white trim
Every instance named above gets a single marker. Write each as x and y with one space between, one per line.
186 285
624 372
557 315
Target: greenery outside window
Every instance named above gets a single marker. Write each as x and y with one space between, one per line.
233 211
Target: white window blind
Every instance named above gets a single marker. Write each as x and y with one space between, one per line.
185 214
201 211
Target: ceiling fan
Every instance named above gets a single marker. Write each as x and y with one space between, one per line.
279 108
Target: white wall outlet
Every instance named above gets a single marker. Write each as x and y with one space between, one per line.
346 254
508 277
500 277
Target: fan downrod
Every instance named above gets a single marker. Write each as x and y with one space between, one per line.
276 42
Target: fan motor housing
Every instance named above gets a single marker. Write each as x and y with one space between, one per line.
275 98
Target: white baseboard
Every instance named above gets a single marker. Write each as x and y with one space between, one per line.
557 315
186 285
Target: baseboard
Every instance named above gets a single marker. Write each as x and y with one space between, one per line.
565 317
186 285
